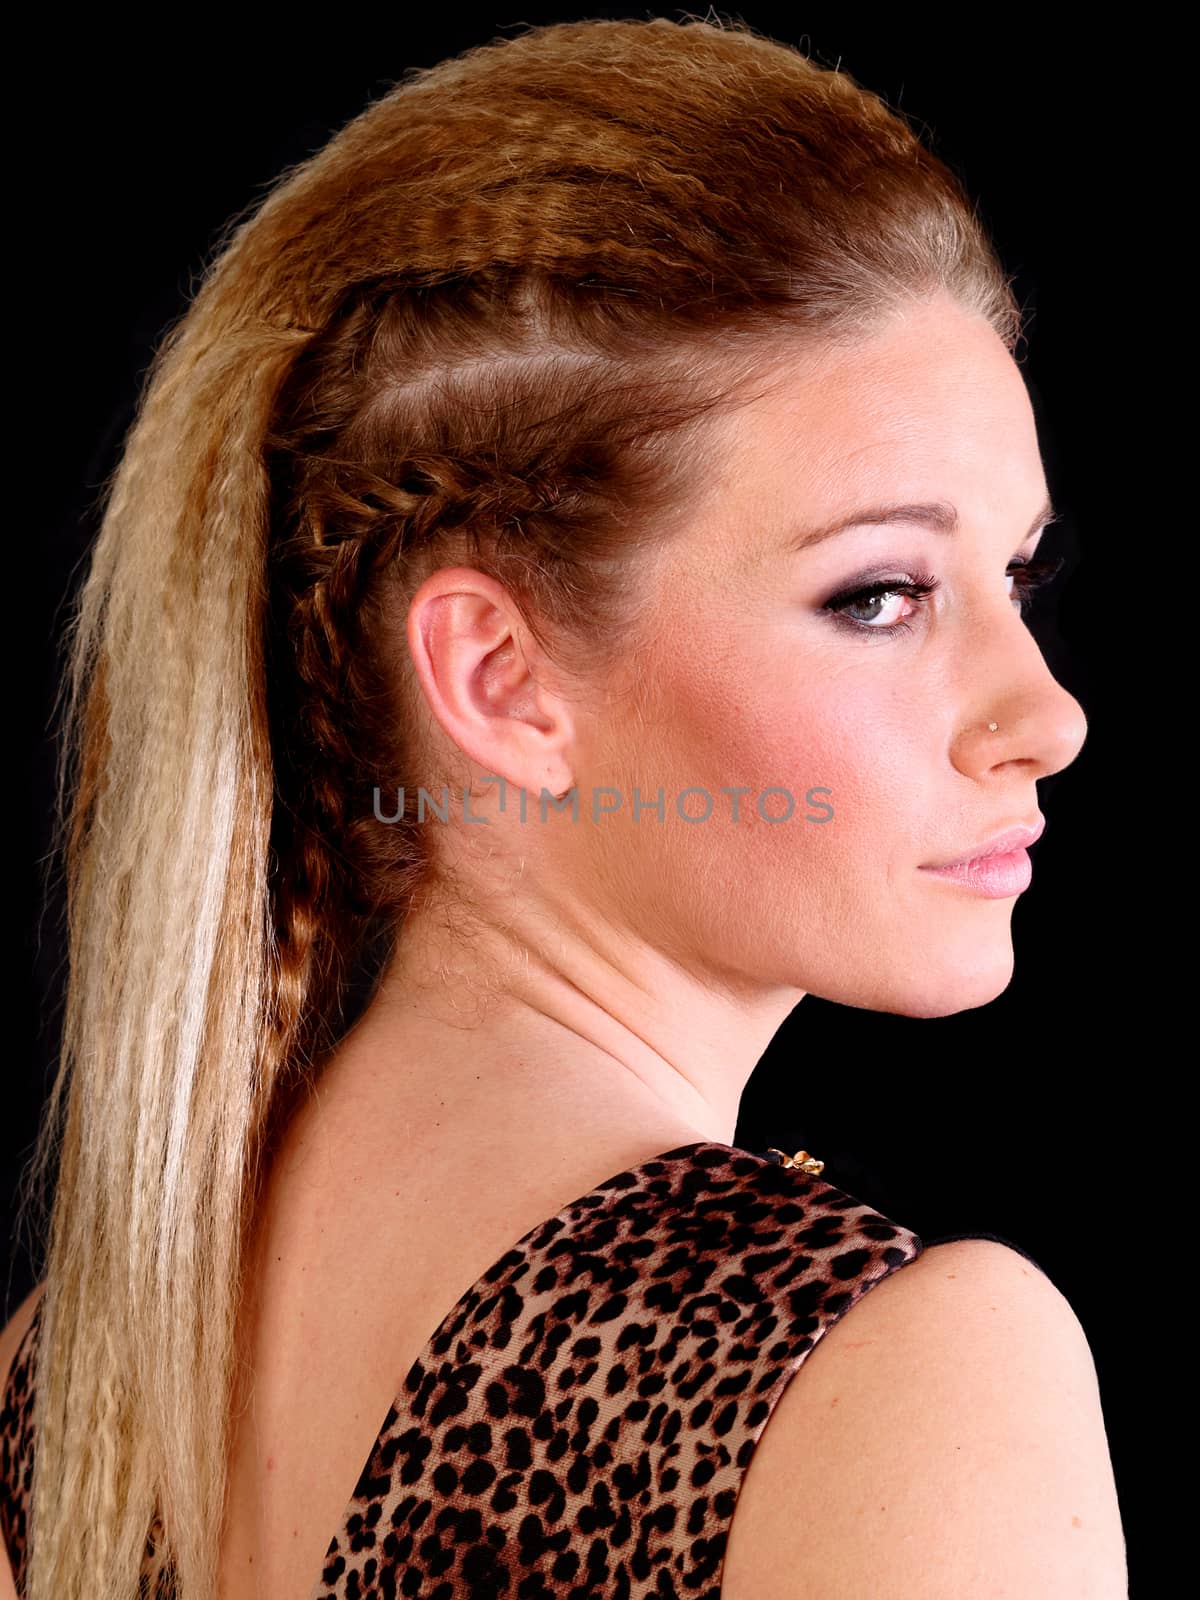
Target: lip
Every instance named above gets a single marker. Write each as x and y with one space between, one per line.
1014 839
998 869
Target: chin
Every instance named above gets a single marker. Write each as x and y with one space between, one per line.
955 989
944 983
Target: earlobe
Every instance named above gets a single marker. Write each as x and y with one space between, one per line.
483 679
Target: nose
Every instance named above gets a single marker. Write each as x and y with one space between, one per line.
1040 726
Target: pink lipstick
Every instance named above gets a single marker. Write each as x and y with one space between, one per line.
997 869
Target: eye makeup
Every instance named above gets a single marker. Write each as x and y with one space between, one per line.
917 588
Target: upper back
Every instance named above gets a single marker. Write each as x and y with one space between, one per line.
585 1415
588 1411
585 1412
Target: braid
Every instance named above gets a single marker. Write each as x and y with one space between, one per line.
336 868
348 515
368 495
320 898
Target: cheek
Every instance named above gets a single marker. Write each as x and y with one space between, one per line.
748 718
834 905
771 884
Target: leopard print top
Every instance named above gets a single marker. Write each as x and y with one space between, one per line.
579 1423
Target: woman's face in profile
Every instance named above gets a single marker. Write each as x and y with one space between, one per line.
751 679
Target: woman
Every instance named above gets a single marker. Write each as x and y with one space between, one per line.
559 604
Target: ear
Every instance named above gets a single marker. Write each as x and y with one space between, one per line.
486 681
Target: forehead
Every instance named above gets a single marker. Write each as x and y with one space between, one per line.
931 407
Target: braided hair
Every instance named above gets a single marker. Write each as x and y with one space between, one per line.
361 511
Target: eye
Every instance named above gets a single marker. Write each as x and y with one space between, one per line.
873 607
875 603
1030 576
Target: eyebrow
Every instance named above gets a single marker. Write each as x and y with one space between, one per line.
938 515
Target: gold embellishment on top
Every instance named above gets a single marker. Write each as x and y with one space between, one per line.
801 1159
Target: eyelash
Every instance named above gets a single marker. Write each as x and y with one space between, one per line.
1030 576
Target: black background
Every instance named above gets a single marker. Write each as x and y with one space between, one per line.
1030 1118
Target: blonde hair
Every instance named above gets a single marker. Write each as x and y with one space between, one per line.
487 321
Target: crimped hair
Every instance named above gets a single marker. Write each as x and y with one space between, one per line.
489 321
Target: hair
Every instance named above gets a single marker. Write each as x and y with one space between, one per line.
489 321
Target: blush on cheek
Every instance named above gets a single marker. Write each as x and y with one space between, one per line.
727 706
773 757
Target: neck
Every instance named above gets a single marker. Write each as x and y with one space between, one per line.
513 1045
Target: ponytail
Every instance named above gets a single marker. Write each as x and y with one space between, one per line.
487 322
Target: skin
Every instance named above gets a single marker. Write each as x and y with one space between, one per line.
588 995
607 988
636 971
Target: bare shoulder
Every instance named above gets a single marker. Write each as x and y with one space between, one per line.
945 1438
15 1330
